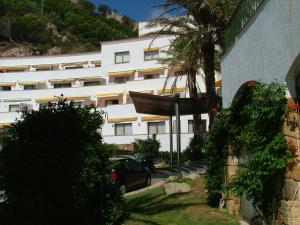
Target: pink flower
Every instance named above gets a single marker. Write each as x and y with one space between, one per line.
294 106
214 110
251 83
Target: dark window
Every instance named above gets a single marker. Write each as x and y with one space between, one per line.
151 55
14 108
62 85
122 57
148 76
121 80
79 103
156 127
91 83
112 102
5 88
133 165
73 67
123 129
29 87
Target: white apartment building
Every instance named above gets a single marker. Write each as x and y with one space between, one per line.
104 78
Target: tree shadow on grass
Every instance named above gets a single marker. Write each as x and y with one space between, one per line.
144 221
158 203
145 200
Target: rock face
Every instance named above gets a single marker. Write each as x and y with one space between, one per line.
54 51
19 51
175 188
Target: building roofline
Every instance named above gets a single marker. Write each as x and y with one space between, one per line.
147 37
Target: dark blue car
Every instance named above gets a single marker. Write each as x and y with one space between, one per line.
127 174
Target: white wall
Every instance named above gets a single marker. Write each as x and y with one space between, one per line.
135 47
36 60
266 49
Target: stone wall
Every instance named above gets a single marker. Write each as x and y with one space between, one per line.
233 203
290 205
289 213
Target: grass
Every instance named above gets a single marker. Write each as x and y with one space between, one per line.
154 207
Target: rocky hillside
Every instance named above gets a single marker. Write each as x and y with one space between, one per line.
48 27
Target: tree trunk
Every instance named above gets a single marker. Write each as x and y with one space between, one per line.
208 50
197 128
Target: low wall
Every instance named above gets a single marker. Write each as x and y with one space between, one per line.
290 205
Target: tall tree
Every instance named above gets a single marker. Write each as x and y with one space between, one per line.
201 25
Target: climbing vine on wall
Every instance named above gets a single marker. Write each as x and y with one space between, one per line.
253 125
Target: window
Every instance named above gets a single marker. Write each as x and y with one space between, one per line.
156 127
74 67
123 129
5 88
132 165
122 57
151 55
29 87
298 87
190 125
148 76
91 83
14 108
43 105
121 80
78 103
112 102
151 25
62 85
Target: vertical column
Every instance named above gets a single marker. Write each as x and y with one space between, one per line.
171 141
178 137
136 75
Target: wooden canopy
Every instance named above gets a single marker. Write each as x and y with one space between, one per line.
164 105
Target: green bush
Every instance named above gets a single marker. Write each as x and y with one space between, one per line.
194 150
252 124
148 148
111 149
55 170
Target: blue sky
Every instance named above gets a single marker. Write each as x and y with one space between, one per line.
136 9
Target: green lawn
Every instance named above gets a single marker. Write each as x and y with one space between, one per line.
153 207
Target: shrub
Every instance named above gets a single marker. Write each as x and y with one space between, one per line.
194 150
111 149
252 124
55 170
148 148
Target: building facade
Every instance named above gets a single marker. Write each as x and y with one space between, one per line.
263 43
102 78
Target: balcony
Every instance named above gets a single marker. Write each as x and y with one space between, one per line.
239 20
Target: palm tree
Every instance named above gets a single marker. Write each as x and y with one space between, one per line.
201 29
186 62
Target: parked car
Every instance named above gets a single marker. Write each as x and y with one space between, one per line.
145 161
142 159
127 174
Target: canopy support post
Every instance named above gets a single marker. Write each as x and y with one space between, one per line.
171 141
178 138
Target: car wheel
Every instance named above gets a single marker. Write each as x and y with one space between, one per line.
148 181
123 189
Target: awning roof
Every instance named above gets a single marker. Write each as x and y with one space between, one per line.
121 73
151 49
31 82
151 70
164 105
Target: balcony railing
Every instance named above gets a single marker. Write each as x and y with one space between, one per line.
239 20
